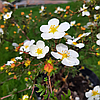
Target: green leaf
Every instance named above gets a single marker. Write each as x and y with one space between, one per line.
55 98
42 92
62 97
69 92
45 96
40 89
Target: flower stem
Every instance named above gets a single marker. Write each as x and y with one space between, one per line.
50 84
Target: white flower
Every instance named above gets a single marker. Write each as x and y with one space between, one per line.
97 7
9 63
93 94
27 16
26 45
77 98
72 23
98 41
25 97
53 30
39 50
7 15
15 45
84 11
1 31
68 37
59 9
68 57
90 24
42 9
74 43
18 58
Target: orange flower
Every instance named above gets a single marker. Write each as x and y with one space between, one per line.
66 12
13 24
31 11
78 24
49 13
48 67
15 77
67 7
35 16
22 13
20 37
83 28
14 32
12 65
97 48
2 26
6 48
30 14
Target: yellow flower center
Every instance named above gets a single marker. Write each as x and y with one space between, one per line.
74 43
64 54
39 51
84 9
26 46
7 15
94 93
53 29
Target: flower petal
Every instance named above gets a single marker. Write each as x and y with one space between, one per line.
32 50
98 42
73 53
80 45
46 50
53 21
67 62
56 55
44 28
98 35
61 47
47 36
63 27
88 94
58 35
40 44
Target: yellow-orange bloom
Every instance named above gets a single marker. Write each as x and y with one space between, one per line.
82 28
48 67
27 63
67 7
22 13
2 26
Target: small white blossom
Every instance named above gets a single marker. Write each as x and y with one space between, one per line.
93 94
27 16
7 15
97 7
59 9
18 58
53 30
74 43
68 57
84 11
90 24
42 9
98 41
72 23
25 97
39 50
26 45
1 31
9 63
